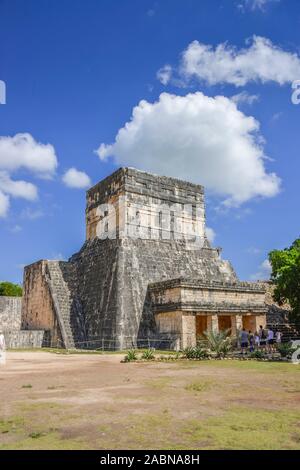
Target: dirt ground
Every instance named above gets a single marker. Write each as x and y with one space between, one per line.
89 401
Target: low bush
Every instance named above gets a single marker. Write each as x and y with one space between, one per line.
257 354
286 349
196 352
148 354
131 356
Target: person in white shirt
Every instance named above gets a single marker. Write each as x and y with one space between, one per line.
270 340
256 340
278 337
2 348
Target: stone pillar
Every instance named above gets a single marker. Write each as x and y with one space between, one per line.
236 324
188 331
260 320
212 323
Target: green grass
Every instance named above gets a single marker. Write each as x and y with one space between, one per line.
202 386
242 428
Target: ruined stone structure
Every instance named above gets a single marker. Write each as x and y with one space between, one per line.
10 324
146 272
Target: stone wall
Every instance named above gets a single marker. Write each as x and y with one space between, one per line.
24 339
204 295
145 206
38 312
11 323
10 313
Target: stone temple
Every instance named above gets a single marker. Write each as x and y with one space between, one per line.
146 274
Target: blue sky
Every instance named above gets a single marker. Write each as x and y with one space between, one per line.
74 71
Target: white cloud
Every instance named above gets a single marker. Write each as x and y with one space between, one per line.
198 138
264 271
255 4
164 74
211 234
4 204
244 98
21 189
76 179
260 61
22 151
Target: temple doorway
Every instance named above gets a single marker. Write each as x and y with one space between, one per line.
249 323
224 322
201 325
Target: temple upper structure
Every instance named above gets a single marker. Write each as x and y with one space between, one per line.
146 273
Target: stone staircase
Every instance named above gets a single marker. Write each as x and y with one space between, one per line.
289 332
62 302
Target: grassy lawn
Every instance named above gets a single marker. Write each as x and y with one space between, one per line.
95 402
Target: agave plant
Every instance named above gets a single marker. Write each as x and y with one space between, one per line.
148 354
130 356
219 342
196 352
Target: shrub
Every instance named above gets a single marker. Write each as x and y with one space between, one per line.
286 349
196 352
219 342
130 356
258 354
148 355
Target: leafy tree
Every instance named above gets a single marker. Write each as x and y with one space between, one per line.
286 277
10 289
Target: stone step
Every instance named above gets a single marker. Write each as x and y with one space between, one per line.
64 302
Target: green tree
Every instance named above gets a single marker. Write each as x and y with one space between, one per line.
286 277
10 289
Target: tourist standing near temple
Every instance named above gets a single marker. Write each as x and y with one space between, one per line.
2 349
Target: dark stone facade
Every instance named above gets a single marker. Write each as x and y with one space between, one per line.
101 295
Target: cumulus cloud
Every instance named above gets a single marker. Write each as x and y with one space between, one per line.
21 189
76 179
22 151
164 74
264 271
260 61
202 139
244 98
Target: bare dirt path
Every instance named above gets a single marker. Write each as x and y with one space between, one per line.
84 401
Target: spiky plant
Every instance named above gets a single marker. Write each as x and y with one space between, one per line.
196 352
219 342
148 354
131 355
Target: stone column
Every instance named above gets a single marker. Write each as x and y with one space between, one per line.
212 323
188 331
236 324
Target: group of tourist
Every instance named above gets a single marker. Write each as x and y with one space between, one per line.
264 338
